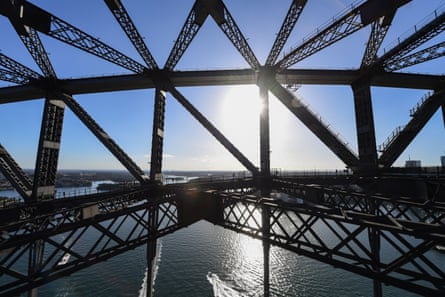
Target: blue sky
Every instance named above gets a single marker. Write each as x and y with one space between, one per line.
127 116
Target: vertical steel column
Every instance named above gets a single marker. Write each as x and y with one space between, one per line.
155 176
36 251
48 151
374 242
264 133
157 137
265 215
364 120
151 249
46 170
265 185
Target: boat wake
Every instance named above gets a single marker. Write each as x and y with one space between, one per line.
221 288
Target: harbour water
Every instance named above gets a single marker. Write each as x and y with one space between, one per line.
208 260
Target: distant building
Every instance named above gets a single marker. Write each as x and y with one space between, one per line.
442 161
413 163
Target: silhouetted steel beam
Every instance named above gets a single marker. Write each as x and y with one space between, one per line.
193 23
51 128
225 21
123 18
15 175
428 54
15 12
349 23
35 47
364 119
420 117
43 21
313 123
36 89
264 132
52 121
106 140
379 28
18 68
419 37
399 207
13 77
407 80
49 147
213 130
157 138
289 22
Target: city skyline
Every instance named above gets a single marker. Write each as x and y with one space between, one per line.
127 115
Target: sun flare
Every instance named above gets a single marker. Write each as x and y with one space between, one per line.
240 111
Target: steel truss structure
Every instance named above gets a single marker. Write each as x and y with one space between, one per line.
341 237
43 238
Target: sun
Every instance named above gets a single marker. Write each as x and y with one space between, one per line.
239 113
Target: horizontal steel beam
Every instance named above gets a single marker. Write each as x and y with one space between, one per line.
37 89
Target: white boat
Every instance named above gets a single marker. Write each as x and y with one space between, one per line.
64 259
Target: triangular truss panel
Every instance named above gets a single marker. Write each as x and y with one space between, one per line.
130 133
220 54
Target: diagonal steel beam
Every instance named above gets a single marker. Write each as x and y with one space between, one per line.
106 140
420 116
193 23
52 120
352 21
15 175
225 21
428 54
6 75
286 28
379 29
35 47
421 35
28 35
42 21
213 130
313 123
120 13
17 68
